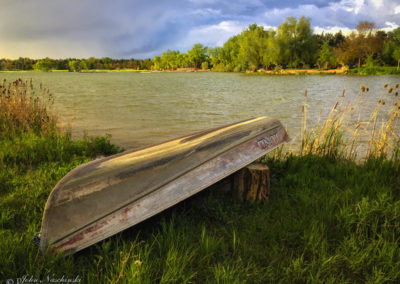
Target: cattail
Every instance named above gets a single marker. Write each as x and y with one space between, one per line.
390 90
386 85
383 102
367 89
379 101
335 105
305 93
396 94
343 92
362 88
397 85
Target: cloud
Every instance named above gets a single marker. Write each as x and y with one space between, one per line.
332 30
140 29
96 27
345 14
212 35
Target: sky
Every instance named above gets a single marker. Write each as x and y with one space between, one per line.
145 28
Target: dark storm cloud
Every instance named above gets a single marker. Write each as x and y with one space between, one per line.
72 28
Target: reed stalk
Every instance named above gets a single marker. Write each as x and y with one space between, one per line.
341 134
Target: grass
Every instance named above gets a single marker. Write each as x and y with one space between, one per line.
374 70
329 218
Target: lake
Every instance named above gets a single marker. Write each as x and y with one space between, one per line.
139 109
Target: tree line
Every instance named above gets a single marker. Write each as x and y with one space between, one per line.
73 64
292 45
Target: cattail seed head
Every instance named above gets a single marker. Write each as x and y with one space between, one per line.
385 86
379 101
367 89
383 102
362 88
390 90
397 85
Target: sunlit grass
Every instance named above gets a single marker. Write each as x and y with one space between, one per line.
332 217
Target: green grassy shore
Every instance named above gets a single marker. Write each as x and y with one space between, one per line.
375 70
330 218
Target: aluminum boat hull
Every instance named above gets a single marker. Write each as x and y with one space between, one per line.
103 197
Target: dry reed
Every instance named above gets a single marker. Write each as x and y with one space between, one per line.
349 133
25 109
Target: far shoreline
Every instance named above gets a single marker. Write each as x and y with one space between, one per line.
309 71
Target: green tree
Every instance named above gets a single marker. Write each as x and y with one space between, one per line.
74 66
396 56
326 58
169 59
298 46
83 65
182 60
107 63
270 53
156 62
197 55
214 55
43 65
204 65
229 53
391 54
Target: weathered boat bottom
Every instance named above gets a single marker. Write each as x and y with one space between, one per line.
179 169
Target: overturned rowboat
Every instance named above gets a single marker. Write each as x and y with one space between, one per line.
105 196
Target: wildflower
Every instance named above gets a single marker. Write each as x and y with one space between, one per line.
137 262
362 88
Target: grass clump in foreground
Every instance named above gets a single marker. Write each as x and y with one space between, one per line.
329 218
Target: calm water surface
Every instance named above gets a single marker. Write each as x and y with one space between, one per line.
139 109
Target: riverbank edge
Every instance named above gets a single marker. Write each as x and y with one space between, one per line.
338 71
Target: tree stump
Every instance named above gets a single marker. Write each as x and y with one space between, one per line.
252 183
